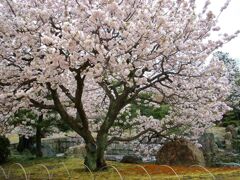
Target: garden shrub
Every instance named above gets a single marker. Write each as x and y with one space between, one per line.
4 149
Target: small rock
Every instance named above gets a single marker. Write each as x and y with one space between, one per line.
131 159
60 155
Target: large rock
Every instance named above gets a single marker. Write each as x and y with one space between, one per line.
232 130
208 143
209 148
180 152
131 159
76 151
228 141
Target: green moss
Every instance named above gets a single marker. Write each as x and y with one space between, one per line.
57 168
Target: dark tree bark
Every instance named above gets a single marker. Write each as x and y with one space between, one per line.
91 156
39 137
102 146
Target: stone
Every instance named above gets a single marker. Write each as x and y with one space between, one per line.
131 159
61 144
228 136
227 157
120 149
113 157
180 152
59 155
232 130
47 151
228 141
208 143
209 148
220 143
228 145
78 151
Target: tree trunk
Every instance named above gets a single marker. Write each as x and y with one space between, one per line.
91 156
101 147
39 137
94 159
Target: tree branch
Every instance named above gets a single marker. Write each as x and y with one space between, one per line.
42 105
78 100
67 93
62 111
136 136
11 8
24 83
107 90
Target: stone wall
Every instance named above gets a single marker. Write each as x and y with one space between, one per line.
61 144
115 151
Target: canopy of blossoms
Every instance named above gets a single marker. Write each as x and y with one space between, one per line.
89 59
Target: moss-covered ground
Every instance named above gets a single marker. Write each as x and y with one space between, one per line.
73 168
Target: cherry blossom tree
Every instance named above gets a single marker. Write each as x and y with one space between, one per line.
89 59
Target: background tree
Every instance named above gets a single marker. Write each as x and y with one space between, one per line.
233 116
32 126
96 57
4 149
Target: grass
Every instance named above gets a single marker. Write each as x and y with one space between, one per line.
61 168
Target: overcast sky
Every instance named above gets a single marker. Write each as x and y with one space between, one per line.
229 22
